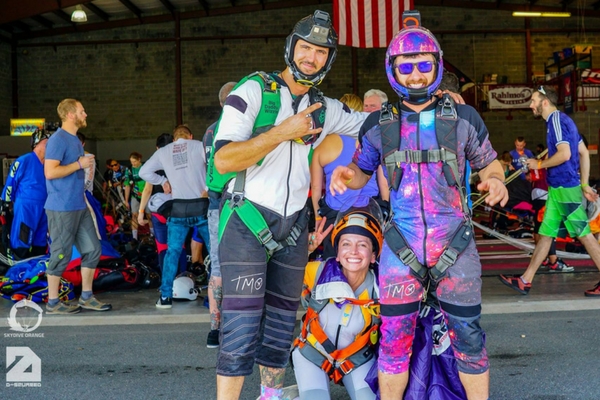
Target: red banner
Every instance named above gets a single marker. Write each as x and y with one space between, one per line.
368 23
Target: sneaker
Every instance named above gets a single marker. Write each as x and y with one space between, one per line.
560 266
212 341
595 292
94 304
515 282
545 264
62 308
164 303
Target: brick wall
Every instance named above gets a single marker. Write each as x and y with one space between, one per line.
5 90
128 90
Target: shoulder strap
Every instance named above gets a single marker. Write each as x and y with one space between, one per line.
390 143
264 121
446 119
316 96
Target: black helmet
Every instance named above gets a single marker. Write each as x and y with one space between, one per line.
38 136
318 30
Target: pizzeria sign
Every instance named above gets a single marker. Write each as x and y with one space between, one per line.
504 97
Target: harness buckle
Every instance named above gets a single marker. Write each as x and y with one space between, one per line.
407 256
344 368
237 199
266 238
449 256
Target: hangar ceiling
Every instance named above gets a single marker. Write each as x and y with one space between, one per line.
27 19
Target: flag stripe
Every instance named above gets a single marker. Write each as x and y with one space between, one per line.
362 29
368 23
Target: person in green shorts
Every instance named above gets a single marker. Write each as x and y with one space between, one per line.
568 170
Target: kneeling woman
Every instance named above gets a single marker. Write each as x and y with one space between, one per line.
341 297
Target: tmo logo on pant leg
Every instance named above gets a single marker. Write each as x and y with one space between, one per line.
24 367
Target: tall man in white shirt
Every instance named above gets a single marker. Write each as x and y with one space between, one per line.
184 164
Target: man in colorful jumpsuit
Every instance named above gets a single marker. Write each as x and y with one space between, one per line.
427 211
26 188
278 189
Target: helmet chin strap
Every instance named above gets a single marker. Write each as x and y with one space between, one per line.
417 97
305 80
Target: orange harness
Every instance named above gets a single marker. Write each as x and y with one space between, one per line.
338 362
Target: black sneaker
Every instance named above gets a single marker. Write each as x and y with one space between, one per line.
164 303
560 266
212 341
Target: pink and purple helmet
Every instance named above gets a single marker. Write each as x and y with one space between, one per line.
414 40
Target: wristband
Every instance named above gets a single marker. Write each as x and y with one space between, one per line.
80 167
348 181
141 211
539 164
585 185
318 218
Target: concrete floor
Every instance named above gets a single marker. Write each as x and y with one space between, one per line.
550 292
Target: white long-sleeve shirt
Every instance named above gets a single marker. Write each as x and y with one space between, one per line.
184 164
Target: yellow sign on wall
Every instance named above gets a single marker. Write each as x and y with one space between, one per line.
26 126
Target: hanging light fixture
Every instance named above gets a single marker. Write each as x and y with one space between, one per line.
540 14
79 15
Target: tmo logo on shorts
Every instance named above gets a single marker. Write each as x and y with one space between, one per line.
24 367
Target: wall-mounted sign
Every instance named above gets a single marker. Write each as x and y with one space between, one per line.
507 96
26 126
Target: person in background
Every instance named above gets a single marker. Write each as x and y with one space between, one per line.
568 170
450 82
69 220
184 164
113 188
352 101
25 189
155 200
373 99
92 203
506 161
134 186
215 282
518 153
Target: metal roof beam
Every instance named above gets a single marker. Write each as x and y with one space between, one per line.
43 21
63 15
167 4
98 11
132 7
204 5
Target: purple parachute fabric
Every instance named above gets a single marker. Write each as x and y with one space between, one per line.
432 377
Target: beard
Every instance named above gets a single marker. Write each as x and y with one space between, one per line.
537 111
80 123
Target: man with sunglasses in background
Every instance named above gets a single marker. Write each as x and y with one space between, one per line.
263 246
568 171
425 143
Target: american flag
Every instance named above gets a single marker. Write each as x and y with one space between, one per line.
368 23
